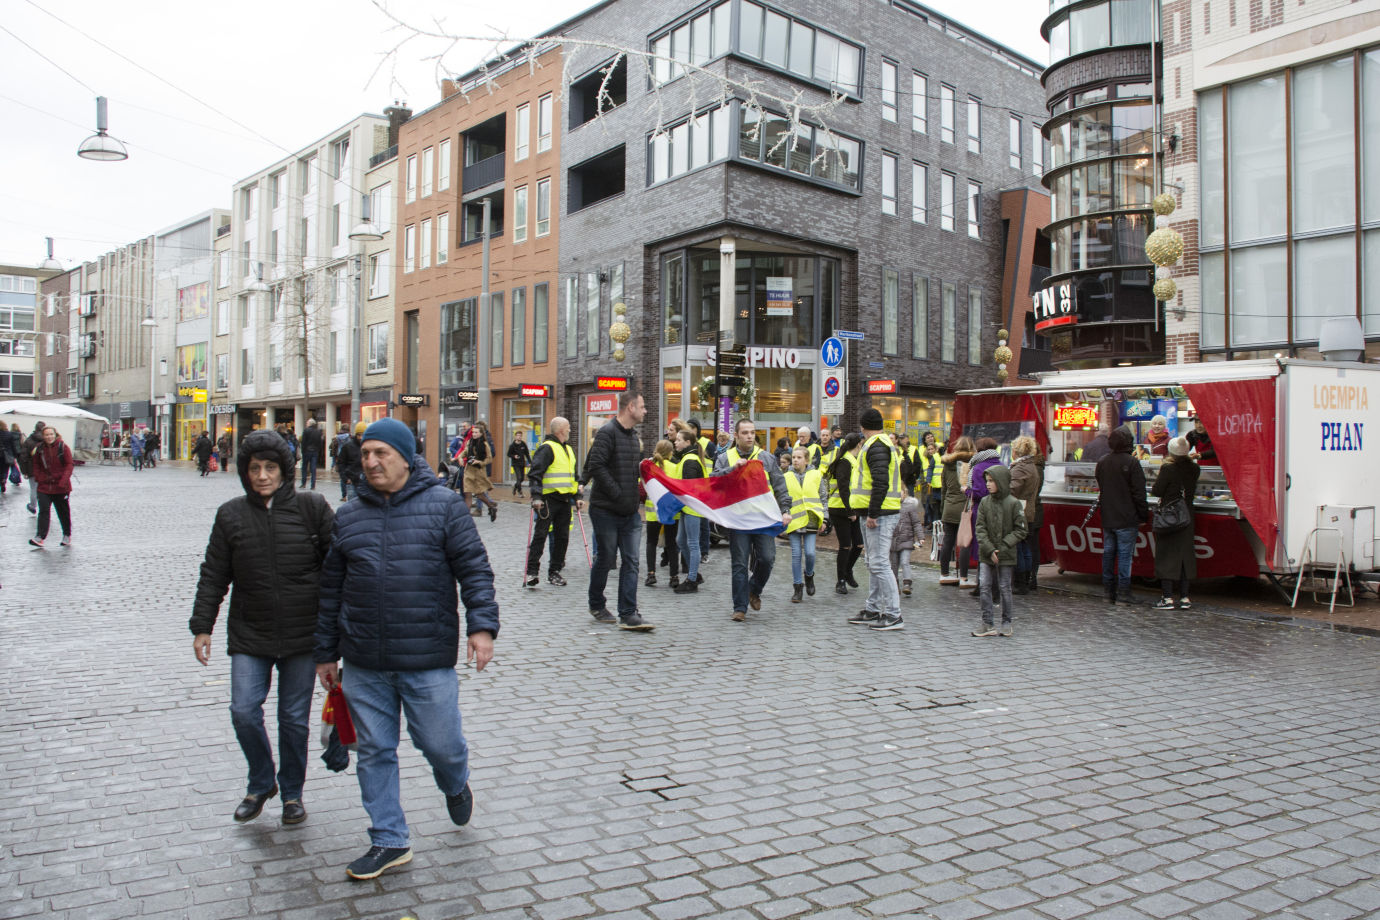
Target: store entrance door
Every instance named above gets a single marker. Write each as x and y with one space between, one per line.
598 409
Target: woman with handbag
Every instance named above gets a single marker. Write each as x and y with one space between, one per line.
476 478
988 455
270 544
1176 562
954 506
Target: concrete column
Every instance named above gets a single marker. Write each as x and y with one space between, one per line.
331 420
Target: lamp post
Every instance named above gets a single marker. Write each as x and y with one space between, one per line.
366 231
151 324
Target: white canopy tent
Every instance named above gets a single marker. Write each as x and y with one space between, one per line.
79 428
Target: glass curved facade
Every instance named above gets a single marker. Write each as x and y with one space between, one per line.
1079 27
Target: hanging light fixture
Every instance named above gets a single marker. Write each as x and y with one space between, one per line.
101 146
619 331
257 286
50 264
366 231
1002 354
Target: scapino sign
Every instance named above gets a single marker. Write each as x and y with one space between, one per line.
761 356
1053 306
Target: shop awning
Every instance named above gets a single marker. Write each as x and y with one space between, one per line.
1150 377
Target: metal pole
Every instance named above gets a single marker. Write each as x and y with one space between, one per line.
484 327
728 304
354 341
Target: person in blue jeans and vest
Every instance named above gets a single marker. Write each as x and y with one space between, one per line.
1121 497
389 608
269 543
746 548
875 494
613 466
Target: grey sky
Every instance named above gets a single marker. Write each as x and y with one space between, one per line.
289 72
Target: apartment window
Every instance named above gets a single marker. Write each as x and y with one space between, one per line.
888 183
496 329
891 291
572 307
246 311
766 137
275 303
378 274
428 169
543 207
696 42
442 238
340 157
919 102
473 228
246 258
919 192
946 201
308 176
946 114
1037 151
592 327
411 179
948 320
520 214
424 253
443 165
974 209
246 366
222 270
275 255
692 143
276 190
275 363
249 202
1015 140
409 248
602 89
337 217
222 371
794 46
544 123
920 318
523 128
597 179
222 317
974 125
378 348
974 325
889 77
381 207
338 363
519 336
540 321
48 382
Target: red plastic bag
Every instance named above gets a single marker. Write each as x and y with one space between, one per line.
337 713
212 465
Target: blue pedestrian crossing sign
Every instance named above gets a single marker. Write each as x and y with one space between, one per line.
831 352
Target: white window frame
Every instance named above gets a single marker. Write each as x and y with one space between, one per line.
1016 130
1037 150
890 77
545 123
410 182
409 248
443 238
520 201
428 170
222 317
889 178
919 192
974 124
947 190
522 132
378 352
947 113
442 165
424 253
381 207
975 209
919 102
544 207
378 274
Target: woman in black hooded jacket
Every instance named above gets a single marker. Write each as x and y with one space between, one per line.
269 544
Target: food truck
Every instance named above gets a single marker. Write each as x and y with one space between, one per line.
1294 448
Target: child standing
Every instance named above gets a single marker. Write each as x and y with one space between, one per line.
904 540
1000 529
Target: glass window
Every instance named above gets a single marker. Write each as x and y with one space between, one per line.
519 337
974 125
888 183
1324 166
846 74
1037 151
592 330
776 138
891 293
673 299
802 49
442 167
919 192
442 239
1212 216
428 169
661 59
522 125
1324 282
719 131
1131 21
409 248
839 160
783 394
1212 286
1256 148
826 57
1259 295
424 255
1059 40
572 307
948 321
660 155
496 329
750 29
782 296
974 209
974 325
919 102
888 91
458 338
411 178
946 114
920 318
1090 29
722 28
680 50
1370 272
699 141
544 123
775 39
1014 142
381 207
946 201
1370 135
540 322
750 134
378 275
543 207
378 348
520 214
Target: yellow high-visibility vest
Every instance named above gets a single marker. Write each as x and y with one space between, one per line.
677 470
804 499
560 475
835 496
860 488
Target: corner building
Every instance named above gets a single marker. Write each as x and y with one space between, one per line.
880 215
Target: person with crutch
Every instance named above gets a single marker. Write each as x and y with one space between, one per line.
554 481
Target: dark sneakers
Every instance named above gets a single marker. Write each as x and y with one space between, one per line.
253 805
864 618
531 581
556 579
602 615
294 813
886 623
378 861
687 587
461 806
634 623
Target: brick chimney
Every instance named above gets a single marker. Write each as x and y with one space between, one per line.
398 113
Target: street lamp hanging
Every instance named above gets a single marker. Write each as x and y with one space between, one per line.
101 146
366 231
50 264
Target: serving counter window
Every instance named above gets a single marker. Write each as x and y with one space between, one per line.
1079 481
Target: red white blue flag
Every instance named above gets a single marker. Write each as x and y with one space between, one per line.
740 500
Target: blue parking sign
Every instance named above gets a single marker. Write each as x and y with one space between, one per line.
831 352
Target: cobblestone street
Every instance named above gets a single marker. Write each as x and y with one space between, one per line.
1105 762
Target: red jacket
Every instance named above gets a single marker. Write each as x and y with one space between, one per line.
53 468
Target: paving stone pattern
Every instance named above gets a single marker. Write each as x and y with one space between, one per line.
1106 762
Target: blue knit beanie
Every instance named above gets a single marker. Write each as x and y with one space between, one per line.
393 433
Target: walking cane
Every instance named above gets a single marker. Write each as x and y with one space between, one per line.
589 560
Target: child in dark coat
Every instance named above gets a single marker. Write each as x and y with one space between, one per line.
1000 529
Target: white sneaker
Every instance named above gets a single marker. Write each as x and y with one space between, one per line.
948 580
967 583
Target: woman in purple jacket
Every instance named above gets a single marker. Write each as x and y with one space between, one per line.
987 456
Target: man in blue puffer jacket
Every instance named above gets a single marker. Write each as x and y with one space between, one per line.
389 609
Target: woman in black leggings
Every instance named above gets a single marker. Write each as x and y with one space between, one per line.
845 520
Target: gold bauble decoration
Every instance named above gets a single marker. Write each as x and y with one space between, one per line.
1165 289
620 332
620 308
1164 204
619 355
1165 246
1003 334
1002 354
1002 374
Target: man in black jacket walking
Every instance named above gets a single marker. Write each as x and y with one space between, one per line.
1121 497
313 442
613 467
348 463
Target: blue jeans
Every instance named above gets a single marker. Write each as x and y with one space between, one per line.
740 545
309 459
1117 548
621 534
688 539
136 461
431 701
995 582
883 596
250 678
802 543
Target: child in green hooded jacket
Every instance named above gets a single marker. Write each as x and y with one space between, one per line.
1000 529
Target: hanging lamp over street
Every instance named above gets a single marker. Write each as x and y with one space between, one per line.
101 146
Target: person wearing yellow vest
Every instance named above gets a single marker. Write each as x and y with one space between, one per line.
875 494
841 515
708 449
747 590
813 452
806 486
689 463
661 456
554 481
933 478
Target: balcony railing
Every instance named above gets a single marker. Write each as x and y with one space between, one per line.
484 173
383 156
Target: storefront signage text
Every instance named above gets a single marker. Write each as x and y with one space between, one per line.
881 386
1341 397
611 383
534 390
414 399
198 394
228 409
1341 435
1053 306
1075 417
600 405
780 296
762 356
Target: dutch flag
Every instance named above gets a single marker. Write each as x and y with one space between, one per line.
741 500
